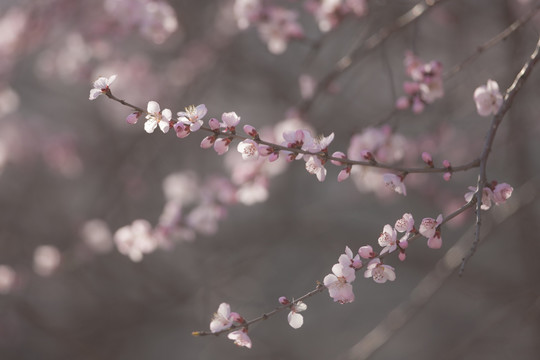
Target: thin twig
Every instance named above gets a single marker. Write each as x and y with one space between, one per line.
503 35
509 97
359 52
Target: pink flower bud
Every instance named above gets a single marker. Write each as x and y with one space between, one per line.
402 256
366 252
250 130
367 155
182 130
446 163
283 300
344 174
338 154
404 243
426 157
213 123
207 142
435 242
133 117
273 157
447 176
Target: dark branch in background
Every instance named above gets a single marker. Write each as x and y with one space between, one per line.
494 41
367 46
509 97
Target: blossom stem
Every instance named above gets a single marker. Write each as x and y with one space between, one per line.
509 97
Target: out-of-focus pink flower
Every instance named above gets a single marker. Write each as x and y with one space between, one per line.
7 279
97 236
247 12
280 25
394 182
46 260
488 98
501 193
135 240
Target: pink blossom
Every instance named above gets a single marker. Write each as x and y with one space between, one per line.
318 143
222 145
192 117
402 256
395 183
347 259
46 260
279 26
387 239
379 272
403 103
295 319
247 12
230 120
253 192
97 236
101 86
338 283
487 196
501 193
314 166
429 226
223 318
157 117
405 224
240 338
135 240
249 149
488 98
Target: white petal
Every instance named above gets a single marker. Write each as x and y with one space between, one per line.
295 320
167 114
100 83
111 79
94 93
164 126
150 125
153 107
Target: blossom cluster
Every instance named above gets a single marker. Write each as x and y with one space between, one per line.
344 272
426 85
223 319
276 25
495 192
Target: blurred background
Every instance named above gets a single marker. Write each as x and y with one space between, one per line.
73 172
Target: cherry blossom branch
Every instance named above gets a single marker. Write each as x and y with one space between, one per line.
433 281
242 324
509 97
318 289
372 162
367 46
503 35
